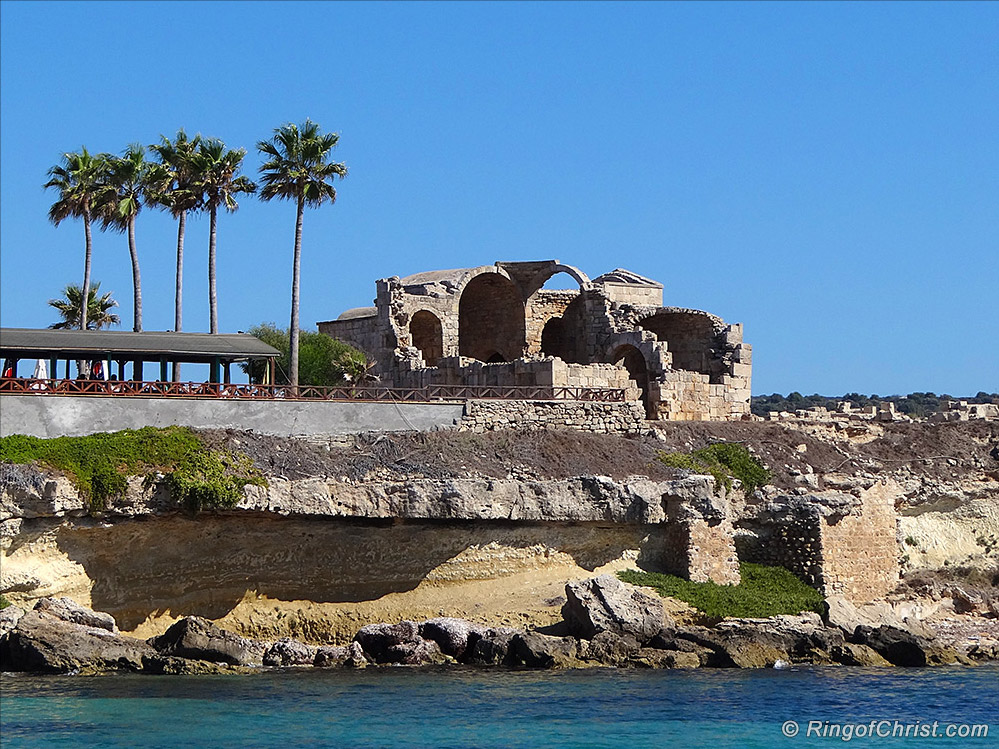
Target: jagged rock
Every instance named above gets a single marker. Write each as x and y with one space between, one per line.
902 648
841 613
490 647
171 665
450 634
655 658
737 648
854 654
44 643
330 656
289 652
535 650
605 604
9 618
802 636
199 639
609 649
397 643
70 611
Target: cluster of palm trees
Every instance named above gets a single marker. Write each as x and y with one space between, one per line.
188 174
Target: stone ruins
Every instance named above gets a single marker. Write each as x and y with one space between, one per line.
496 325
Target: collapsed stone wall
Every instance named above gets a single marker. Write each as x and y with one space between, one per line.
843 544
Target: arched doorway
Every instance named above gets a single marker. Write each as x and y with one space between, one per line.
631 359
491 319
553 338
428 336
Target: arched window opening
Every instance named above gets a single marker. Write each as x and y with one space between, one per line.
553 338
631 359
428 336
491 319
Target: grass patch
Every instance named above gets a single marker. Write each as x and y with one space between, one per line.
4 603
99 464
725 461
764 591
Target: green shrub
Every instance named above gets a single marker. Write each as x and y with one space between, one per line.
724 461
212 480
99 464
764 591
4 603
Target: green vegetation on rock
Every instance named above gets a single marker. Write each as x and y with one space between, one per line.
4 603
724 461
764 591
99 464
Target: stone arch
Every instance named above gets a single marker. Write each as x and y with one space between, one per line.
427 335
690 337
633 360
491 318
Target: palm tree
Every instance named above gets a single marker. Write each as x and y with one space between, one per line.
178 197
77 179
98 308
217 181
299 168
129 181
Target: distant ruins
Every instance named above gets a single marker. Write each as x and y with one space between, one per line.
496 325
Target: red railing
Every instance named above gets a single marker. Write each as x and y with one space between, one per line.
23 386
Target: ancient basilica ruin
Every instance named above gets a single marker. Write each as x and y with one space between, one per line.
496 325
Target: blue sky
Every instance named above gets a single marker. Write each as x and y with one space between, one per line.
825 173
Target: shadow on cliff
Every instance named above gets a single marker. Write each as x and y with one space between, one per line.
206 565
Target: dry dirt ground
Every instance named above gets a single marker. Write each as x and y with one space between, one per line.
937 450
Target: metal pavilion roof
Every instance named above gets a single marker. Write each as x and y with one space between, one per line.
45 343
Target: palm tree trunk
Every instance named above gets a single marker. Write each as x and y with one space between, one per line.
295 282
178 298
84 302
213 312
136 280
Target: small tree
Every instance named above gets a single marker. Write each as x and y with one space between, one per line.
322 361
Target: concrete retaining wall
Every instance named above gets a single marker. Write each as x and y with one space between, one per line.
72 416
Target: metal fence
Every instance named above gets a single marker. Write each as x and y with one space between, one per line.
215 390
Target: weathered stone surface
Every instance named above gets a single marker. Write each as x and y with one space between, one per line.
535 650
398 643
609 649
289 652
9 618
738 648
491 647
605 604
844 615
450 634
70 611
902 648
330 656
199 639
173 666
44 643
655 658
854 654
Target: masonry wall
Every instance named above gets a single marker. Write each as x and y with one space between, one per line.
860 552
597 418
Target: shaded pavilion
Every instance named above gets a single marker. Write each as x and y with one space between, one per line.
219 350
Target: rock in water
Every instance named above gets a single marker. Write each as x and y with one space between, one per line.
450 634
289 652
44 643
605 604
197 638
535 650
490 647
398 643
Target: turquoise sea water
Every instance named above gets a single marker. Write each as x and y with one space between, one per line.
458 707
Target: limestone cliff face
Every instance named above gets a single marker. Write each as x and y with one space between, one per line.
338 545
